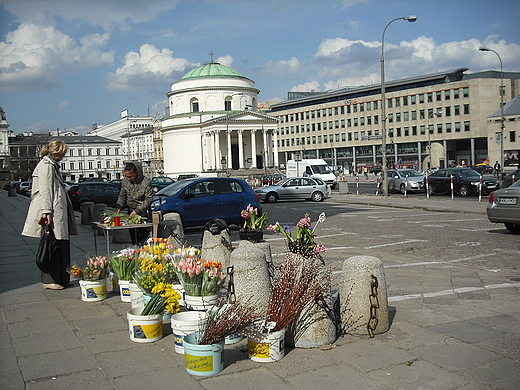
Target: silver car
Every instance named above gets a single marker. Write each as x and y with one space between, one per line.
397 180
311 188
504 207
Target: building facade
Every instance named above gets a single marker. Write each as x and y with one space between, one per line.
432 120
214 124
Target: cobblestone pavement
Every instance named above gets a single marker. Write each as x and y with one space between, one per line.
454 319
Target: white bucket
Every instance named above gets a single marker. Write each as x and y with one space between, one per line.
233 339
200 303
136 296
269 347
144 329
124 290
185 323
166 316
92 291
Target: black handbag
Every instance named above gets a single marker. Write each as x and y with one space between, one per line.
48 255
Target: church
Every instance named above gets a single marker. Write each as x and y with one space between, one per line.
214 124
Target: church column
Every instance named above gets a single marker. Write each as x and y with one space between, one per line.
275 134
266 147
214 148
253 148
229 156
240 149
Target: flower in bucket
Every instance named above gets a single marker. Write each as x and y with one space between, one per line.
163 298
304 242
252 220
149 274
123 263
95 269
213 277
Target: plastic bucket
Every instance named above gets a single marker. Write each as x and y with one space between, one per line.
124 290
144 329
185 323
233 339
136 296
200 303
92 291
267 348
166 318
202 360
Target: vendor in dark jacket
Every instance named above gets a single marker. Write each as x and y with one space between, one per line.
136 196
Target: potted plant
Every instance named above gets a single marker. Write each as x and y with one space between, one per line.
123 264
253 224
92 278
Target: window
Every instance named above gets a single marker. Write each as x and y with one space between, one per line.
356 136
312 114
90 165
318 114
465 92
438 96
390 118
342 136
391 132
194 105
342 110
447 95
354 108
456 93
330 111
421 98
80 165
375 105
414 130
430 97
319 126
330 138
343 123
422 129
405 100
405 116
71 165
361 107
448 127
319 139
348 109
398 131
350 136
330 125
227 105
414 115
457 127
397 102
369 106
398 117
89 152
355 122
376 119
406 131
336 124
71 152
107 151
430 129
466 109
362 121
390 104
512 136
466 126
324 112
421 114
456 110
369 120
413 99
439 128
336 112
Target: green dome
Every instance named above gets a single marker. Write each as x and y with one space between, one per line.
211 70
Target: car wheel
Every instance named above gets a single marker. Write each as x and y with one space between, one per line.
317 196
271 197
464 190
513 228
431 189
402 188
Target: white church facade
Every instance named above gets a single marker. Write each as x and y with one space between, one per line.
214 124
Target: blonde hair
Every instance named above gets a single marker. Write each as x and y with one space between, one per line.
54 147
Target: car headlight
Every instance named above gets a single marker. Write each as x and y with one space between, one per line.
475 183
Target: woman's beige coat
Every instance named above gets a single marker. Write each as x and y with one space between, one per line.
49 196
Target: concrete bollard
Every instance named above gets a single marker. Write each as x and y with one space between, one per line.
217 247
172 226
87 212
11 191
250 274
363 296
97 214
343 187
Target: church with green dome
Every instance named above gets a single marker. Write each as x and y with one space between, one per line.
214 124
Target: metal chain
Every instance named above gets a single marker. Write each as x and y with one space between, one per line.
374 305
231 286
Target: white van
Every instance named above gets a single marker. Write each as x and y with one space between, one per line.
312 167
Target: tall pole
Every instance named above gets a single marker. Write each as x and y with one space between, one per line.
411 18
502 122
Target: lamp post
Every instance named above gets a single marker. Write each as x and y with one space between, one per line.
502 124
411 18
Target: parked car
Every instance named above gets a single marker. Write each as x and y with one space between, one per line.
159 182
93 179
268 180
97 192
504 207
375 170
509 178
200 200
188 176
482 169
397 180
311 188
11 184
116 182
22 187
466 182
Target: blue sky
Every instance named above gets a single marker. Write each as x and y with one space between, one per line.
71 63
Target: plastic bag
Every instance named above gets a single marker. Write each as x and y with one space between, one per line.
215 226
47 257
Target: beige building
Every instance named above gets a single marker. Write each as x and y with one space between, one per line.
432 120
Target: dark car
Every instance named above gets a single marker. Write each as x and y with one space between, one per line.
200 200
93 179
375 170
510 178
466 182
96 192
160 182
504 207
188 176
11 184
482 169
116 182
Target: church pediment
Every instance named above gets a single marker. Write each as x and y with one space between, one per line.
245 116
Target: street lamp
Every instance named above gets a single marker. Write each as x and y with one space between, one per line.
411 18
502 124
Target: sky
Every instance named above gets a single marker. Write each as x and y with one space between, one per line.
69 64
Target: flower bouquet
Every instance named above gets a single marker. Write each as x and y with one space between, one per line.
253 224
119 219
95 269
123 263
163 298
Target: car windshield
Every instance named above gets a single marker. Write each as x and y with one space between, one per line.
410 173
321 168
173 188
467 173
282 182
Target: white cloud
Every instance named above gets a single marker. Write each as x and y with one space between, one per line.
226 60
293 66
62 105
33 57
306 87
150 68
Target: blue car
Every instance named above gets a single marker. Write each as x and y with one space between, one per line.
200 200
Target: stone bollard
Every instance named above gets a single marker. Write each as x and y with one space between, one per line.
217 247
343 187
97 214
173 227
363 298
11 191
251 274
87 212
316 324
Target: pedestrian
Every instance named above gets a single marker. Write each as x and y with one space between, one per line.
496 169
136 196
50 204
365 171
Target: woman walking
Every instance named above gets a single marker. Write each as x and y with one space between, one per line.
50 204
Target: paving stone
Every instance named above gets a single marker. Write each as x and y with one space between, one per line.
167 378
94 326
497 374
468 331
51 342
259 378
107 342
12 380
85 380
31 311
